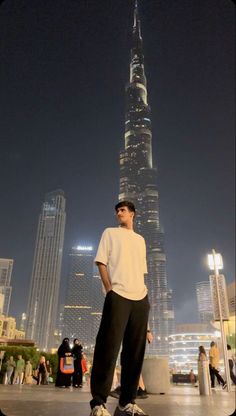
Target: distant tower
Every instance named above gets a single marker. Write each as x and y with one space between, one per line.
138 183
204 301
84 298
45 279
23 322
6 266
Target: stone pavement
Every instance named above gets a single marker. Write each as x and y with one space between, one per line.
50 401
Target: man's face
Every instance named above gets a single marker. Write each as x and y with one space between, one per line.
124 216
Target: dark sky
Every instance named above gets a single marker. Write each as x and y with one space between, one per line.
64 65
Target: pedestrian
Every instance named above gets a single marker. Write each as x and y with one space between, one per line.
42 371
19 370
203 372
192 377
28 373
214 359
63 378
77 351
231 364
49 371
11 365
121 260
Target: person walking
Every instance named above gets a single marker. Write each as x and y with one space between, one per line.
19 370
77 351
231 364
11 365
121 260
214 359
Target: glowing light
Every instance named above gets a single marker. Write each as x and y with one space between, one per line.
215 261
85 248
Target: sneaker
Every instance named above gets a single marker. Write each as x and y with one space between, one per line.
100 411
129 410
142 394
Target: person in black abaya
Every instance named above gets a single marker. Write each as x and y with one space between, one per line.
77 352
63 380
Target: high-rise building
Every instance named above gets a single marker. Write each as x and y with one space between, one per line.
138 183
84 299
231 292
204 302
23 322
6 266
45 279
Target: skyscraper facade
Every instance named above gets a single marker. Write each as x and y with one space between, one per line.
82 310
45 278
138 183
6 266
204 302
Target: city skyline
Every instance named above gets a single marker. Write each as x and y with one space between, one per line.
59 100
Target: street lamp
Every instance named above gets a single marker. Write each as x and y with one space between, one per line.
220 303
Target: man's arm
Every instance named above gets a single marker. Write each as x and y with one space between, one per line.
104 276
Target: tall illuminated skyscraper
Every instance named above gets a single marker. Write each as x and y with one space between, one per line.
45 279
138 183
6 266
84 299
204 302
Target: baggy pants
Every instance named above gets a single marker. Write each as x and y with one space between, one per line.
214 372
123 321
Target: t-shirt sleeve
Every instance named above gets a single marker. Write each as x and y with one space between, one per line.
103 249
145 270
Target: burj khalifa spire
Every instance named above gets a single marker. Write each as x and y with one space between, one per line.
138 183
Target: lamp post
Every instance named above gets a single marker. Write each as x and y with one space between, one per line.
215 262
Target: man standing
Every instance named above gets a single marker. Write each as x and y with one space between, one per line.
121 260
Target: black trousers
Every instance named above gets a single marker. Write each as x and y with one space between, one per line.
78 374
123 321
214 372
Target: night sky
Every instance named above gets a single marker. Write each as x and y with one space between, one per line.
64 66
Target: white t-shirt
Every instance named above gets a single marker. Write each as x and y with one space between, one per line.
124 253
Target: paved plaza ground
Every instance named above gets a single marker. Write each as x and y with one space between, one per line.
50 401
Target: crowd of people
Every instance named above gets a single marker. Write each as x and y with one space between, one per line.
19 371
208 368
71 367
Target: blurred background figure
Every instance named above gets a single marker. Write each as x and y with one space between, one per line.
19 370
42 371
28 373
11 365
49 372
214 358
63 379
231 364
77 352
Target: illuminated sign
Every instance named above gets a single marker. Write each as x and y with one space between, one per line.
85 248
